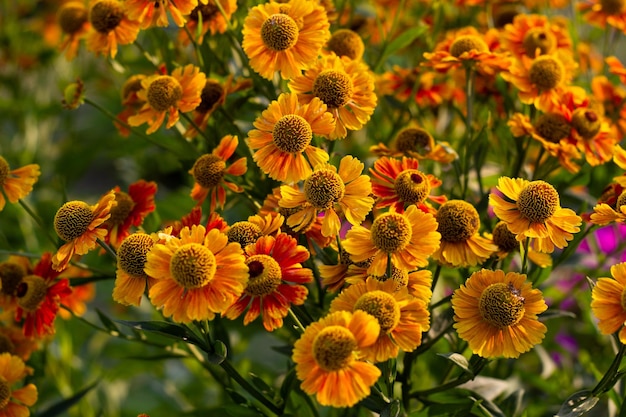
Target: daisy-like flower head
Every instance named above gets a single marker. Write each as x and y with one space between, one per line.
532 34
168 95
399 183
346 42
131 280
532 209
329 359
346 86
130 209
154 12
247 232
283 134
604 214
275 281
496 314
110 26
608 302
13 341
604 12
210 17
402 317
80 225
73 18
11 273
15 401
407 238
416 143
285 37
198 274
39 296
329 191
17 183
461 245
507 243
209 172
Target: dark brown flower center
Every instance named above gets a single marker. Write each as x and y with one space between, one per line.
279 32
323 188
31 292
164 92
501 305
467 43
72 17
546 72
412 186
208 170
292 133
193 265
346 42
538 39
72 220
538 201
106 15
381 305
553 127
458 221
265 275
333 348
391 232
133 253
334 88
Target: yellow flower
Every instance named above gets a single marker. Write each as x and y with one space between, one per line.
283 136
110 26
14 402
17 183
329 191
533 210
346 86
329 361
408 239
131 280
198 274
211 18
80 225
402 317
285 37
608 302
168 94
154 13
532 33
73 18
496 314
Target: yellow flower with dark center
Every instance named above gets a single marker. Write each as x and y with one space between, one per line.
604 214
334 88
553 127
466 44
111 26
546 72
284 37
214 20
131 280
346 42
329 360
608 302
15 401
532 210
504 239
152 13
539 41
73 18
17 183
402 317
601 13
408 239
496 314
587 122
530 35
244 233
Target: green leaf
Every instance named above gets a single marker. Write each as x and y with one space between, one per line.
107 322
513 404
578 404
459 360
403 40
258 382
62 406
394 409
287 385
171 330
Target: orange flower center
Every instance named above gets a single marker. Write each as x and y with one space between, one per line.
279 32
210 96
501 305
414 140
6 345
208 170
4 170
132 85
206 12
193 266
265 275
11 275
31 292
467 43
334 88
333 348
346 42
553 127
538 38
391 232
621 200
458 221
164 92
72 220
292 133
133 252
323 188
381 305
121 210
5 393
412 186
538 201
244 233
503 237
106 15
546 72
72 17
612 7
586 122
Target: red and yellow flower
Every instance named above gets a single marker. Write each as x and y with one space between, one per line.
154 13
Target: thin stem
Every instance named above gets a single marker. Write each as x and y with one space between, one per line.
39 222
435 277
525 255
234 374
296 319
478 364
196 127
107 248
609 378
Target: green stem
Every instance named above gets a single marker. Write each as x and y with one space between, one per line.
469 130
609 379
525 256
477 363
435 277
235 375
296 319
107 248
39 222
197 128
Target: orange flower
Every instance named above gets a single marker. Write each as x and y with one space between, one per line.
15 402
198 274
285 37
73 18
329 361
168 94
131 280
39 296
607 302
18 183
345 86
154 13
130 210
211 18
275 281
416 143
210 170
110 26
612 99
400 82
602 13
283 137
80 225
532 33
616 67
399 183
